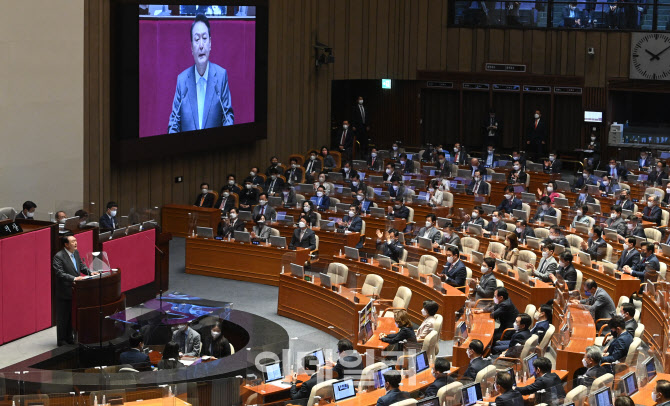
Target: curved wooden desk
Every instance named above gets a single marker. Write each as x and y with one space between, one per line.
643 395
582 335
240 261
175 218
482 329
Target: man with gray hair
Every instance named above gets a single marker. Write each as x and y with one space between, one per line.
591 361
652 212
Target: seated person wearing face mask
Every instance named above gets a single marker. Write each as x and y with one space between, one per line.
517 176
215 344
522 231
510 202
390 246
352 221
475 353
630 257
260 231
288 198
622 339
308 213
508 395
406 165
553 165
328 187
624 200
596 247
429 231
565 270
356 185
583 198
392 379
363 203
477 186
435 193
61 217
429 310
474 218
321 201
374 163
486 286
228 226
441 375
592 369
615 221
648 266
263 208
581 217
652 212
443 166
545 209
549 191
543 318
556 237
274 184
293 174
586 179
188 340
633 228
231 185
310 365
107 221
547 265
225 202
135 356
312 167
204 199
607 186
347 171
449 236
502 310
547 385
398 210
248 197
495 224
454 272
396 190
518 339
254 178
657 176
303 237
598 302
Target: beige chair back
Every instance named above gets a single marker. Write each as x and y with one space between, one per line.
529 346
652 234
526 208
602 381
546 339
410 217
437 325
334 201
485 374
500 284
338 273
655 191
427 265
526 257
559 213
431 345
608 252
316 240
402 297
274 232
577 395
574 240
469 244
406 402
530 310
542 233
447 199
366 375
632 351
497 248
580 279
403 256
639 330
362 227
323 389
372 285
450 394
663 269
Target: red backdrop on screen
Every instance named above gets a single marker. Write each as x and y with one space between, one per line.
165 51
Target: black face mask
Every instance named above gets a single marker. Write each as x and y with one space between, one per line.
614 333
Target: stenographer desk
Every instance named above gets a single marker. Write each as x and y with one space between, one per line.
175 218
330 242
240 261
450 301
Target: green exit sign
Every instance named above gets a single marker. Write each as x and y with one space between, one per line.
386 83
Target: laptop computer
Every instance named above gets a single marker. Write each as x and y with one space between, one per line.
413 271
377 212
603 397
278 241
610 234
119 232
429 401
148 225
582 228
102 237
528 197
533 167
477 257
325 280
498 177
474 229
520 214
592 189
298 270
533 242
425 243
650 368
384 261
584 258
593 207
343 389
421 362
242 236
327 225
72 223
273 372
437 283
274 201
351 253
471 394
562 185
488 208
553 220
204 232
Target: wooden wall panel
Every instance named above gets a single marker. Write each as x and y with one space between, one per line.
371 39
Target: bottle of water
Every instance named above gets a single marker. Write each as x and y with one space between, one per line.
95 400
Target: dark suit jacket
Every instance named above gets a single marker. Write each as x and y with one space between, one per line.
361 186
511 398
308 240
553 167
505 312
352 369
597 249
375 163
277 187
528 231
656 178
580 181
404 333
393 250
639 270
486 287
352 172
218 109
357 117
493 228
508 206
539 329
537 134
653 214
108 223
581 202
552 385
348 139
409 166
229 231
443 168
293 175
65 272
229 204
519 337
438 383
305 389
249 197
216 348
475 366
591 375
391 397
208 202
520 179
570 21
600 305
618 348
355 226
461 157
133 357
325 202
310 217
539 214
483 188
631 258
455 273
314 167
569 275
402 213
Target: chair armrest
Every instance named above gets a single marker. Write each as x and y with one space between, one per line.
384 300
505 331
394 308
461 288
508 359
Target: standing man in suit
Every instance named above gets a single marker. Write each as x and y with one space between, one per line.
68 268
303 237
597 301
502 310
454 272
310 363
204 199
493 128
429 231
188 340
544 380
202 98
108 220
361 126
475 353
536 137
344 140
629 256
135 355
28 211
392 386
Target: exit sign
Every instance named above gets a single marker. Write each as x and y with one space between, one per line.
386 83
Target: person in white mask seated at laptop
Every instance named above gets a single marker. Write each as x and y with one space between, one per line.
288 198
352 221
429 231
495 224
581 217
547 265
583 198
449 236
615 221
391 247
556 237
454 272
303 237
228 226
474 218
261 231
545 209
362 202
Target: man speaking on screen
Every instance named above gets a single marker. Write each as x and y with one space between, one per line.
202 98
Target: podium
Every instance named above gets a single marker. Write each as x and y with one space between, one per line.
89 297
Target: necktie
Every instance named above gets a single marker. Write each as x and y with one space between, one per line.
539 270
202 200
263 210
362 114
344 136
223 203
536 121
309 166
201 100
476 188
74 262
272 186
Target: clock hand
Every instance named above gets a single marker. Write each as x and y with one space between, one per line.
653 56
658 54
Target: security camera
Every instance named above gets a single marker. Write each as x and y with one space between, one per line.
591 51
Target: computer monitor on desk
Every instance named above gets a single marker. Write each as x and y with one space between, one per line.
242 236
603 397
594 207
528 362
650 367
343 389
318 353
471 394
325 280
533 242
102 237
584 258
298 270
244 215
279 242
205 232
273 372
629 384
119 232
378 377
384 261
377 212
351 253
520 214
430 401
421 362
553 220
475 229
413 271
425 243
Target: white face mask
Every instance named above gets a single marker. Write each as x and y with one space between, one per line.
545 254
517 167
204 191
477 178
484 269
537 316
455 149
322 180
495 300
306 209
233 215
612 166
562 264
262 202
345 126
553 237
625 246
82 223
585 175
395 187
431 190
226 194
590 233
450 259
650 204
302 224
112 213
429 224
215 334
360 101
294 166
630 226
395 148
545 207
537 116
613 215
552 158
519 230
61 221
550 189
388 171
474 214
312 157
352 213
346 169
654 397
593 138
374 155
424 313
494 219
508 197
252 173
273 177
606 182
248 186
586 365
579 212
354 183
403 162
360 197
320 194
516 326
